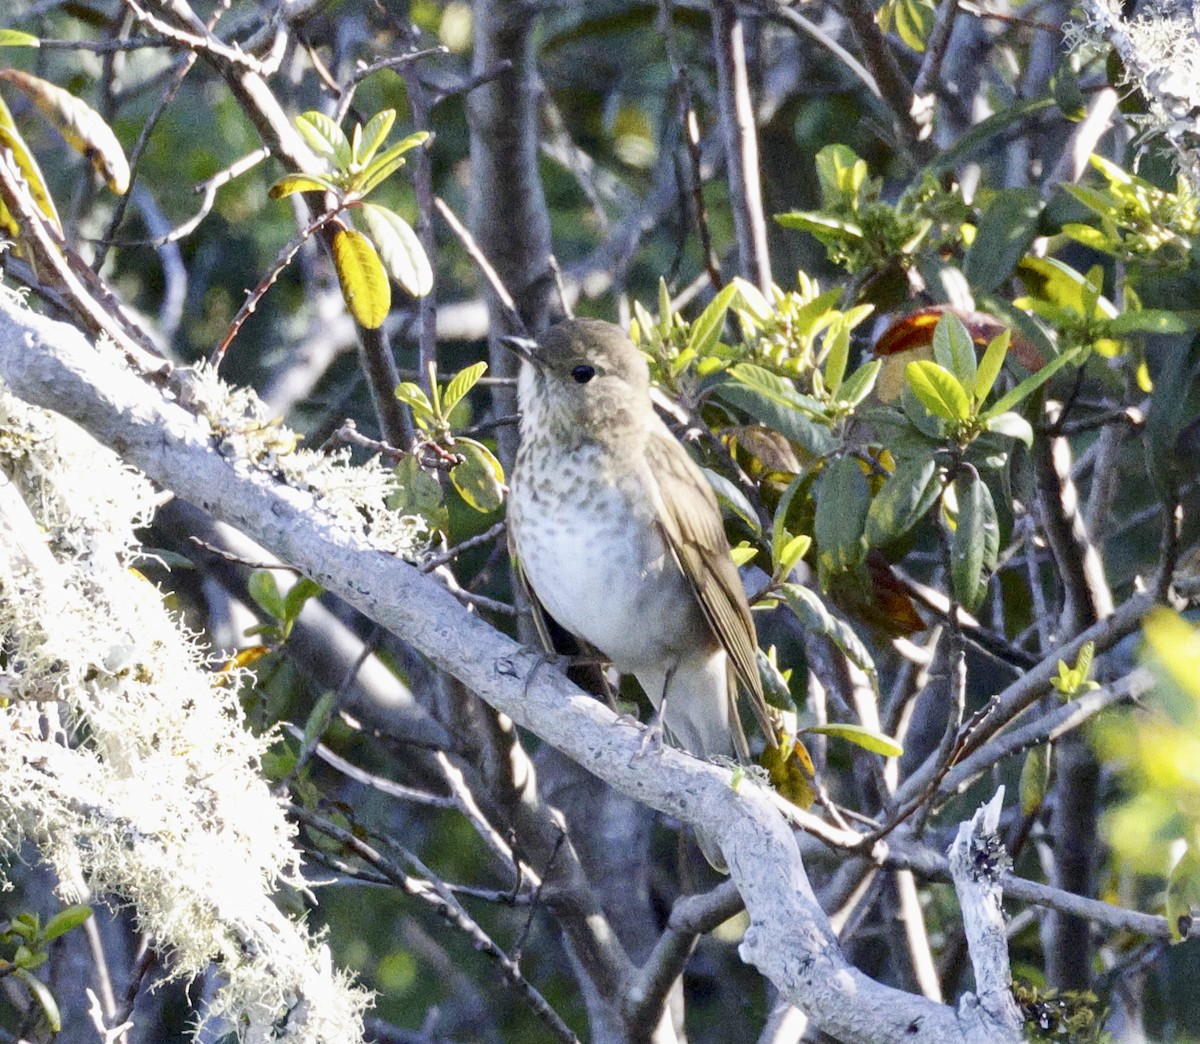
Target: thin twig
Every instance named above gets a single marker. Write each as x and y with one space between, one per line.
483 264
450 554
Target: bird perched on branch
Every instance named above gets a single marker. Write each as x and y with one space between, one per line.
619 536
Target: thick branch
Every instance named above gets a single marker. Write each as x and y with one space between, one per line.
789 938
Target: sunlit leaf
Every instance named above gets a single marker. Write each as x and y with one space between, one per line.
293 183
324 137
868 739
954 349
1028 386
938 390
363 279
387 163
479 479
1011 424
264 590
991 364
67 918
460 384
399 248
84 129
10 138
16 38
373 135
706 330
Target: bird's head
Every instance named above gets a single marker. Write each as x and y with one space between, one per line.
584 378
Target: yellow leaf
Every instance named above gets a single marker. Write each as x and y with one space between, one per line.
364 282
83 128
10 138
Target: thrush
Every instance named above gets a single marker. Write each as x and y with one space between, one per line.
619 536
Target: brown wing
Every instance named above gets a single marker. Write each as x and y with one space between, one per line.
691 521
535 607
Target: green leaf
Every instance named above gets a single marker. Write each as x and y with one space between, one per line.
938 390
706 330
780 536
976 542
373 135
954 349
860 383
363 279
479 479
1149 321
299 593
1011 424
815 439
1183 895
414 397
419 494
293 183
914 21
1006 229
460 384
1031 384
67 918
16 38
399 248
324 137
991 364
820 224
868 739
264 590
386 164
729 494
838 357
815 617
1035 779
791 553
778 389
319 717
903 500
843 499
43 996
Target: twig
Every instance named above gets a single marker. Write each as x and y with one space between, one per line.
369 779
482 263
741 144
135 156
433 891
254 296
450 554
1056 722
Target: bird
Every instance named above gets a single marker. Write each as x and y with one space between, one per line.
617 533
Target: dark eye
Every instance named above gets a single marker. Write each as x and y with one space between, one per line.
583 374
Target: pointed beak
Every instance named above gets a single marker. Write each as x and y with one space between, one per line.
523 347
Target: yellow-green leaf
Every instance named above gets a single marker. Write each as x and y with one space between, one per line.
868 739
479 478
16 38
324 137
373 134
461 383
938 389
83 128
1035 778
399 248
364 282
10 138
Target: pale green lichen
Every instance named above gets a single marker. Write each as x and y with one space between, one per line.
150 792
355 496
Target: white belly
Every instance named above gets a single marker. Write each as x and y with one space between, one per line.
607 576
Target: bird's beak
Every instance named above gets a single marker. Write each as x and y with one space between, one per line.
523 347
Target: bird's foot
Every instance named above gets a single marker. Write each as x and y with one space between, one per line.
652 740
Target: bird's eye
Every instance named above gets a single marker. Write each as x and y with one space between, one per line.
583 374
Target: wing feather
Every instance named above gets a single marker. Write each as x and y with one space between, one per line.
690 519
